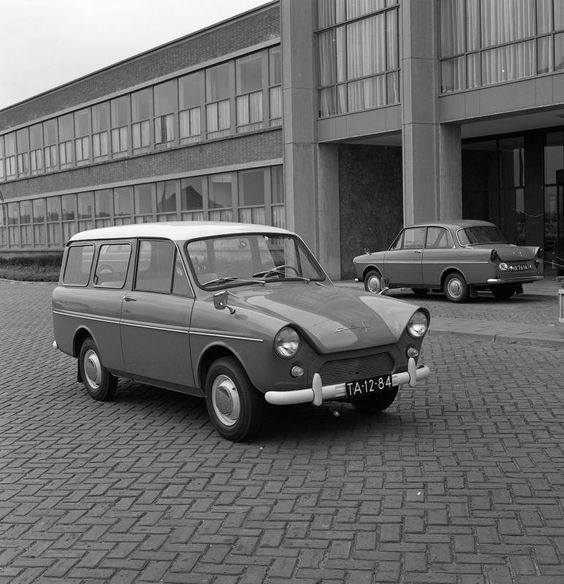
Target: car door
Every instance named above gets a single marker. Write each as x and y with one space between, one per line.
438 253
156 316
402 265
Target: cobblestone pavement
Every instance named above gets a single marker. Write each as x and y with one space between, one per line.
461 481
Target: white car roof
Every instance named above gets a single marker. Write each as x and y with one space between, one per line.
176 230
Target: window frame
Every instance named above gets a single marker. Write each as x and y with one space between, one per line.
72 246
109 243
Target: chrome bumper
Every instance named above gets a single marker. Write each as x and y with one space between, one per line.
319 393
524 280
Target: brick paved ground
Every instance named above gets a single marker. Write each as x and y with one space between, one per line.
461 481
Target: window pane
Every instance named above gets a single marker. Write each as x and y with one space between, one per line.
277 184
53 208
144 195
180 281
69 207
85 205
50 132
251 187
25 212
191 198
22 138
452 27
327 58
79 262
437 237
103 201
39 210
504 21
82 122
123 201
35 136
414 238
366 53
142 104
101 117
120 111
154 266
111 268
10 141
249 73
356 8
165 98
66 128
166 196
558 52
190 88
220 191
275 66
217 82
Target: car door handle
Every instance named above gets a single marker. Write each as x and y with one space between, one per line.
129 299
418 251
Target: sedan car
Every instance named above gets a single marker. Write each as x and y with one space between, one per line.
458 258
237 314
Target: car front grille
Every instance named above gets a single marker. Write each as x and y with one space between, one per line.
342 370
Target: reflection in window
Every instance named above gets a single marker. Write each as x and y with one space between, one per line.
120 118
82 135
154 266
123 205
79 262
191 198
50 148
22 142
66 135
249 90
218 91
166 199
36 148
39 229
220 197
100 129
111 268
144 203
103 207
190 91
165 107
54 236
141 114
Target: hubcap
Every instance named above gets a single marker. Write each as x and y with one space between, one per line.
92 369
373 284
225 400
455 288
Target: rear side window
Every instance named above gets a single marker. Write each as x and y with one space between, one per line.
438 237
111 269
154 266
79 262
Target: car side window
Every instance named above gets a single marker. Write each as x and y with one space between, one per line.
79 262
438 237
111 268
180 283
414 238
154 266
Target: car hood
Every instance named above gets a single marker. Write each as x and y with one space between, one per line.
332 318
511 253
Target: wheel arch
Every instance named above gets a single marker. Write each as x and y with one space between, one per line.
81 334
369 268
451 270
209 356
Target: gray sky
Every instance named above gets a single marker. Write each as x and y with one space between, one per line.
45 43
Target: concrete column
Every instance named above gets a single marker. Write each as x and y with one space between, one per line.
432 185
310 172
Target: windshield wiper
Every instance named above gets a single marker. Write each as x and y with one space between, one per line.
226 279
287 278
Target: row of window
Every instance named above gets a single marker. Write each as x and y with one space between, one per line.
485 42
358 60
236 96
250 196
159 267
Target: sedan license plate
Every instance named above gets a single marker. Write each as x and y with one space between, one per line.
369 385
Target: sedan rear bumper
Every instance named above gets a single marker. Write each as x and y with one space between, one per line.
524 280
319 393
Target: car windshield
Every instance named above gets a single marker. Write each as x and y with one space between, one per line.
481 234
237 260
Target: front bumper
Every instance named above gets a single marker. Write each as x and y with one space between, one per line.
319 393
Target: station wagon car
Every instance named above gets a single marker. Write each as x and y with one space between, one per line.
458 258
238 314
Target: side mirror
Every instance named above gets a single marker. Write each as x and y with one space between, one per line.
220 301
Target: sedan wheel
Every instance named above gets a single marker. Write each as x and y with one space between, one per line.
373 281
235 407
456 288
98 381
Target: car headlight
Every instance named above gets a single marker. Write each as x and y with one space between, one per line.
286 342
418 325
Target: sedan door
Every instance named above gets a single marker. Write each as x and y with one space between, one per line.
156 316
402 265
438 253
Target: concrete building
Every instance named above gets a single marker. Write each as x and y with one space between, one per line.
340 119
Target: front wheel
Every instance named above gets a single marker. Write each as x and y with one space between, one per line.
455 287
373 281
234 406
98 381
371 404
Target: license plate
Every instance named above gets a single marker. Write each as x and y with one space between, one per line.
369 385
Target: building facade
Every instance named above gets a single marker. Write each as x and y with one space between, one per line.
340 119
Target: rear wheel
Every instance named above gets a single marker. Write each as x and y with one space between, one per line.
455 287
375 403
234 405
420 291
98 381
503 292
373 281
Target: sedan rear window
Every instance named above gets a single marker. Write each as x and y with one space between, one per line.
480 234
